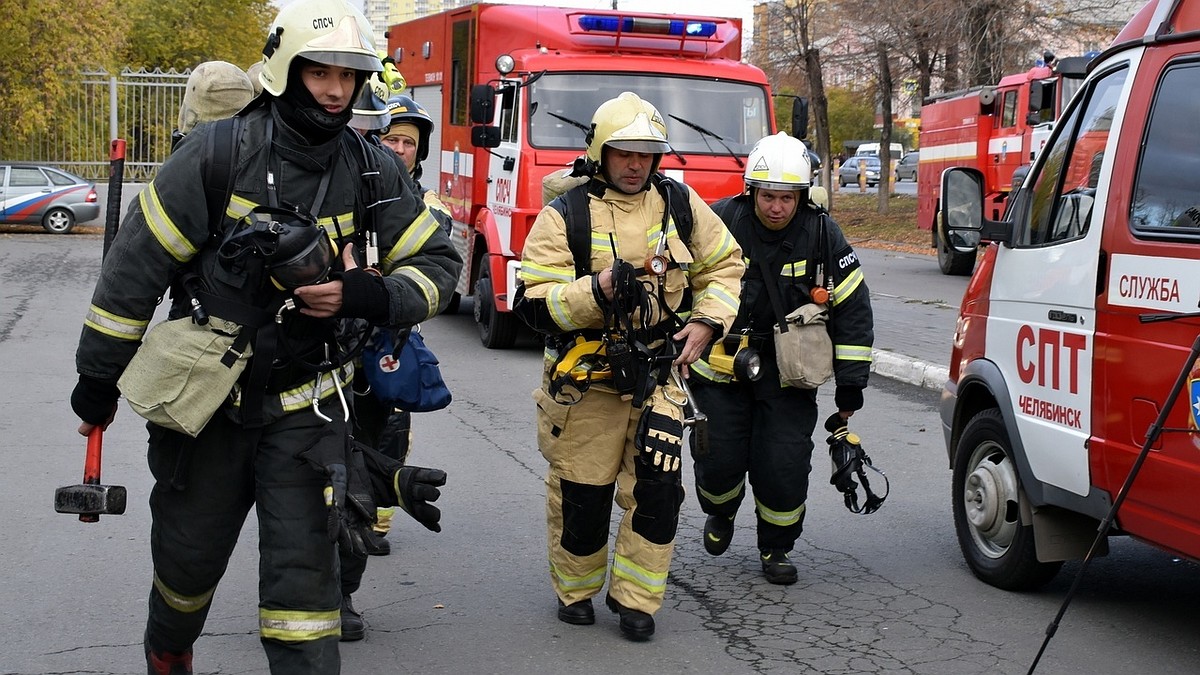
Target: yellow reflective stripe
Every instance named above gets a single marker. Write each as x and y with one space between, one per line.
780 518
721 295
413 240
721 252
300 397
162 227
654 582
701 368
428 289
533 273
601 243
721 499
558 308
239 207
180 602
296 625
794 269
120 327
593 579
848 286
343 227
852 353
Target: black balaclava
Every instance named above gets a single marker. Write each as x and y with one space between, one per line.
301 112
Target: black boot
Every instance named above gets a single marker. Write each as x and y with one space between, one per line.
353 626
169 663
635 625
776 567
718 532
578 613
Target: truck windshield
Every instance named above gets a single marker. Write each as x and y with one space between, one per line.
735 111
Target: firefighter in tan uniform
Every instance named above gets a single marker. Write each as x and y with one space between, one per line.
610 409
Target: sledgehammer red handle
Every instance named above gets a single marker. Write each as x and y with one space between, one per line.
91 467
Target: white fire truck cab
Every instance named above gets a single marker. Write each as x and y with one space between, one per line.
1078 322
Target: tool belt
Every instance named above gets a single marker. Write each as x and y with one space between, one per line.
624 362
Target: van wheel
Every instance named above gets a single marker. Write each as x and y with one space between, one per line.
952 261
58 221
497 330
986 500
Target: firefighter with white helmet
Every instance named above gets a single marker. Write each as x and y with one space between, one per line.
611 311
759 427
262 220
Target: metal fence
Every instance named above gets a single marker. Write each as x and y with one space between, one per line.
141 107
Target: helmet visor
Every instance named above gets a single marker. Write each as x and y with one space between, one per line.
652 147
355 60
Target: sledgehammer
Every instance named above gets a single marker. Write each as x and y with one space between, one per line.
91 499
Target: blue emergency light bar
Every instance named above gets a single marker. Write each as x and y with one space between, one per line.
630 24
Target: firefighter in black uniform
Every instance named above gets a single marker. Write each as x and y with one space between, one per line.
288 263
760 427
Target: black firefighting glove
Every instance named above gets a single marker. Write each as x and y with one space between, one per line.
94 400
330 460
358 512
364 296
415 487
659 437
844 452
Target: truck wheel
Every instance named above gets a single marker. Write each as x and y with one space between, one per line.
497 330
58 221
952 261
986 499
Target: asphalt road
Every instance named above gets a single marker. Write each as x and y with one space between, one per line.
887 593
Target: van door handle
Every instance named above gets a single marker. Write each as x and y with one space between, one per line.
1063 317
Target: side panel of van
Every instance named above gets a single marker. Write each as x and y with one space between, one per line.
1152 243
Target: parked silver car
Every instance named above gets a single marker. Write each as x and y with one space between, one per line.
906 168
848 173
34 193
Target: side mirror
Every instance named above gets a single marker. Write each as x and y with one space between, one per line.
799 117
961 211
483 104
485 137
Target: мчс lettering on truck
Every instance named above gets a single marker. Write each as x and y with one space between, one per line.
1056 375
549 69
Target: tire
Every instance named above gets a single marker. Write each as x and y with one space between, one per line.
58 221
497 330
452 307
951 261
842 181
986 499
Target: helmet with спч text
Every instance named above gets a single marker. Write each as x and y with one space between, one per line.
779 162
330 32
627 123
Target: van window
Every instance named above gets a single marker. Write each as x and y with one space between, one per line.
1065 187
1166 196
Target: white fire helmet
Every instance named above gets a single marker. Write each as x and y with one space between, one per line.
330 32
779 162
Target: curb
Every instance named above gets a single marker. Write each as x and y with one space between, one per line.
909 370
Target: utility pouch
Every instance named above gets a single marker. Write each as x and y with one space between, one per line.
183 372
624 369
803 349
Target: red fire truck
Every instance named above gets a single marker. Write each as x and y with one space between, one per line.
997 130
531 77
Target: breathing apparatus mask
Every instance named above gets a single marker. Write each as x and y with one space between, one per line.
733 356
849 459
294 251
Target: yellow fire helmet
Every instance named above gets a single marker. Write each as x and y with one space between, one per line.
627 123
331 32
779 162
